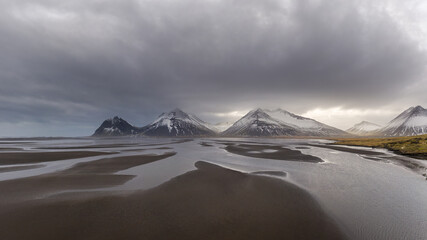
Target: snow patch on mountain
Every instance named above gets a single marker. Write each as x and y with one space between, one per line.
259 123
178 123
116 127
411 122
416 121
279 122
307 126
292 119
364 128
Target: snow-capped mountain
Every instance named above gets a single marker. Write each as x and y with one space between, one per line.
307 126
411 122
116 127
258 123
364 128
178 123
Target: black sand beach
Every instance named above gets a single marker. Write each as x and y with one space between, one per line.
208 203
85 175
36 157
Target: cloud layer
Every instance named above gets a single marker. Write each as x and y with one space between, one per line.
75 63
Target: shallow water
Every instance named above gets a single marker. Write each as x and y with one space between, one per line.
369 199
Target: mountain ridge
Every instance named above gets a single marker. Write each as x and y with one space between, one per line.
178 123
258 123
116 126
263 122
411 122
279 122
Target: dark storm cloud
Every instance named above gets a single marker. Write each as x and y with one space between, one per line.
80 61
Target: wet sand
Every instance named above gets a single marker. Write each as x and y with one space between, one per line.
208 203
14 142
37 157
271 173
112 165
205 144
349 150
10 149
109 146
90 146
302 147
402 161
86 175
19 168
406 162
144 149
270 152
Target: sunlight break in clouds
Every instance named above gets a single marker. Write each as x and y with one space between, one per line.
345 118
233 114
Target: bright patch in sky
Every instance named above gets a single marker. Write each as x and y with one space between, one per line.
346 118
233 114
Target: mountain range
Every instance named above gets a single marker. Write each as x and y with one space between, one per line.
411 122
263 122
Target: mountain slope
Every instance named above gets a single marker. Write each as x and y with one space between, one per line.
264 122
116 127
258 123
178 123
364 128
411 122
307 126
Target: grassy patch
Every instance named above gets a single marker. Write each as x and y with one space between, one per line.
415 146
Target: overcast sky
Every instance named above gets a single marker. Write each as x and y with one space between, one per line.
65 66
